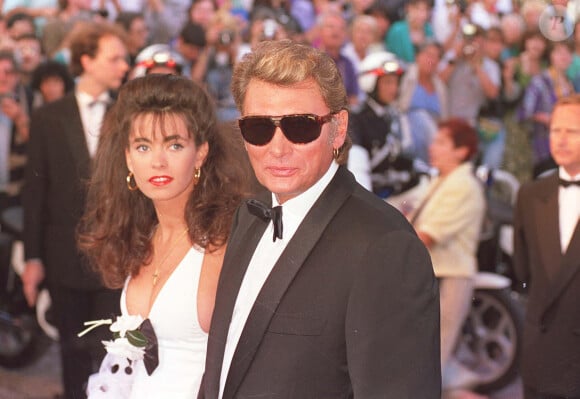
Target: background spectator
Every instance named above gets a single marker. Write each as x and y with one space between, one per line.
424 98
18 24
30 54
57 27
15 102
405 35
64 137
490 119
191 43
546 256
363 39
377 157
379 11
512 28
332 35
51 80
541 94
137 32
471 77
448 220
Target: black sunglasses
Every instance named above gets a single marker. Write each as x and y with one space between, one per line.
298 128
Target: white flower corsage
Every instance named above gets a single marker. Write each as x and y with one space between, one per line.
128 341
133 339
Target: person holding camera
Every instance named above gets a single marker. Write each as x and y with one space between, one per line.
223 45
472 78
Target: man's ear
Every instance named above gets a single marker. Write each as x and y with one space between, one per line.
85 61
341 128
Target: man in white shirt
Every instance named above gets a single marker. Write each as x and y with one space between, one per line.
330 294
547 262
63 139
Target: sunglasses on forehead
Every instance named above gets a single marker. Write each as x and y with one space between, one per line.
298 128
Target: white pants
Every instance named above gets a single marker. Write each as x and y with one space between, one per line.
455 295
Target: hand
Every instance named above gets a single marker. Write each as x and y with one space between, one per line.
31 278
542 117
11 108
509 69
475 59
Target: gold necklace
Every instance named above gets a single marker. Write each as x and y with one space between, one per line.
157 268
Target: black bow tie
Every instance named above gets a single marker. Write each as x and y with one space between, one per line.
263 211
568 183
96 102
151 358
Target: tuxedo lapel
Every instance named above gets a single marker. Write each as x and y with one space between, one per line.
548 228
75 135
569 266
242 244
284 271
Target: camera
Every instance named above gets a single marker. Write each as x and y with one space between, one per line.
226 37
102 12
469 49
469 33
269 30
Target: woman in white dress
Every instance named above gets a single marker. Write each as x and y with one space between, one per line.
164 189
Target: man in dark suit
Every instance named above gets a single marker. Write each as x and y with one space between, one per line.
15 101
547 261
338 299
63 137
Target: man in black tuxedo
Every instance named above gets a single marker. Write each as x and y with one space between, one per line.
330 294
63 137
547 260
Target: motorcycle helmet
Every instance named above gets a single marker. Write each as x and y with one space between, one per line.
157 55
377 64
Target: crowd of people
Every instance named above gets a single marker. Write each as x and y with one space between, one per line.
485 61
118 140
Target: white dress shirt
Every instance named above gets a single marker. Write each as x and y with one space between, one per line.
92 111
265 257
569 208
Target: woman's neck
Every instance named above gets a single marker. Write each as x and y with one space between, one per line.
426 81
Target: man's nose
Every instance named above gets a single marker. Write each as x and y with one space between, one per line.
279 145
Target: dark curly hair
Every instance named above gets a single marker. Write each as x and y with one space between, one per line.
50 69
115 231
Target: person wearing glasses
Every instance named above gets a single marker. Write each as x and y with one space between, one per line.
330 293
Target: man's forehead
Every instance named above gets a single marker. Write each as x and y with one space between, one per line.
566 110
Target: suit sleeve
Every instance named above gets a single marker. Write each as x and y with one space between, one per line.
34 192
392 323
520 257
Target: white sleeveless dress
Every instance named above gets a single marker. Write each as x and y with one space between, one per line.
182 342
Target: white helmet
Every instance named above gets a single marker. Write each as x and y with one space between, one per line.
157 54
377 64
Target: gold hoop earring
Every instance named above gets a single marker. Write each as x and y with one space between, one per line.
129 186
197 174
335 153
